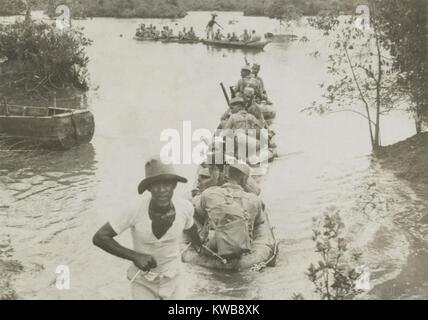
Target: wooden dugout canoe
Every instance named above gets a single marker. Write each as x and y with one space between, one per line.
138 38
183 41
259 45
50 127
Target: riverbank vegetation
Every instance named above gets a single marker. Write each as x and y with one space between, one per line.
371 71
41 60
179 8
120 8
338 274
266 7
11 7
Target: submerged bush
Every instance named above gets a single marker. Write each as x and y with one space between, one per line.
335 275
41 58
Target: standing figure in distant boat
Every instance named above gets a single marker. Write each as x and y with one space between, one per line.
210 27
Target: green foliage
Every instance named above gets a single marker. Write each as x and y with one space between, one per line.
334 276
382 66
266 7
285 10
178 8
120 8
364 79
42 59
405 24
11 7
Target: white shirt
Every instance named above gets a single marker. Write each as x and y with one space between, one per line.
166 250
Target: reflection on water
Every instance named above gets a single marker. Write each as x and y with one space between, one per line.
53 202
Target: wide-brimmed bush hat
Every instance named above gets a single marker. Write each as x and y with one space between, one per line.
156 170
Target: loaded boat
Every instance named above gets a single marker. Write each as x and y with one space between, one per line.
50 127
138 38
258 45
183 41
263 253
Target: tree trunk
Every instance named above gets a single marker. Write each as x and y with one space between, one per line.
378 93
418 120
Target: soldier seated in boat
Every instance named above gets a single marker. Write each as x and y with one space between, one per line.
255 37
240 118
218 36
170 33
229 214
155 32
192 34
241 122
245 37
238 90
250 104
164 32
215 169
255 69
141 30
253 108
182 35
234 37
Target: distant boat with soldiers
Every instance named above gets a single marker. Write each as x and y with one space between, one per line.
256 45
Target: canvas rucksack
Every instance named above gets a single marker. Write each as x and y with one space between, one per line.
231 224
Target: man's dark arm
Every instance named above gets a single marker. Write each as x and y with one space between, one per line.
104 239
195 239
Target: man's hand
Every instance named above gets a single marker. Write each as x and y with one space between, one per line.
144 262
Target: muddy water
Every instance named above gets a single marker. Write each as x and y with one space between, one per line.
53 202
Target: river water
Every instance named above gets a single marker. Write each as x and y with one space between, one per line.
53 202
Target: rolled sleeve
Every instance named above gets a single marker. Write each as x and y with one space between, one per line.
120 222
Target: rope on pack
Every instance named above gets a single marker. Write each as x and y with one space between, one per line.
260 266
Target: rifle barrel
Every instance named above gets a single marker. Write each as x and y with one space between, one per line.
225 93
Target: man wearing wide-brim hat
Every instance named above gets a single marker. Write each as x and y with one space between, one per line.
210 26
156 229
